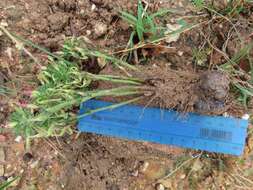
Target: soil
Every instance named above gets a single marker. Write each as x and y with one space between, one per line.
176 78
189 92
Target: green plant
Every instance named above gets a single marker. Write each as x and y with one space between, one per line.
63 87
4 91
232 67
198 3
144 25
200 56
7 184
233 7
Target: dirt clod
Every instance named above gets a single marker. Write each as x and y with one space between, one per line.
27 157
58 21
184 91
215 84
213 93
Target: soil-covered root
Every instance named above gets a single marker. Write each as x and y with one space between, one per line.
172 89
184 91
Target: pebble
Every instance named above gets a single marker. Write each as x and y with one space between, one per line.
88 32
18 139
160 187
135 173
225 114
180 53
245 116
182 176
34 164
82 11
4 24
93 7
144 167
100 29
27 157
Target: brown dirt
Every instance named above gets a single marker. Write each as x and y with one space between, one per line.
185 91
188 92
100 163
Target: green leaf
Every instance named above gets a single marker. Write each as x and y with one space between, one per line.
8 183
129 18
151 25
163 12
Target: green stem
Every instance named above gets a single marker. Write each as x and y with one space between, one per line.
121 91
116 79
109 107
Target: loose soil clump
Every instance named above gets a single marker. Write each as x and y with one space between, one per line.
186 91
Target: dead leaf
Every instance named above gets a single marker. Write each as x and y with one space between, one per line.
172 28
150 50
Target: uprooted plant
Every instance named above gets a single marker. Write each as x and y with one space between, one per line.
63 87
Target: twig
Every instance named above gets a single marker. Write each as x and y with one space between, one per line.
215 48
224 17
163 38
145 8
179 167
19 45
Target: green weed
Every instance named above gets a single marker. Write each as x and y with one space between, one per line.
63 87
198 3
244 88
200 56
233 7
144 24
7 184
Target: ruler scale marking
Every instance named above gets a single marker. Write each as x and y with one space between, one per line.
210 133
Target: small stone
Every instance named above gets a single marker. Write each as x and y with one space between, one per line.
27 157
182 176
8 166
35 164
88 32
180 53
245 116
167 183
100 29
225 114
1 33
135 173
144 167
82 11
160 187
93 7
18 139
4 24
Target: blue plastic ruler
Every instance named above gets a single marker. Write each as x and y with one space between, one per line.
210 133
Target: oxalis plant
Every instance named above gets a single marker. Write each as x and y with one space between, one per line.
63 86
